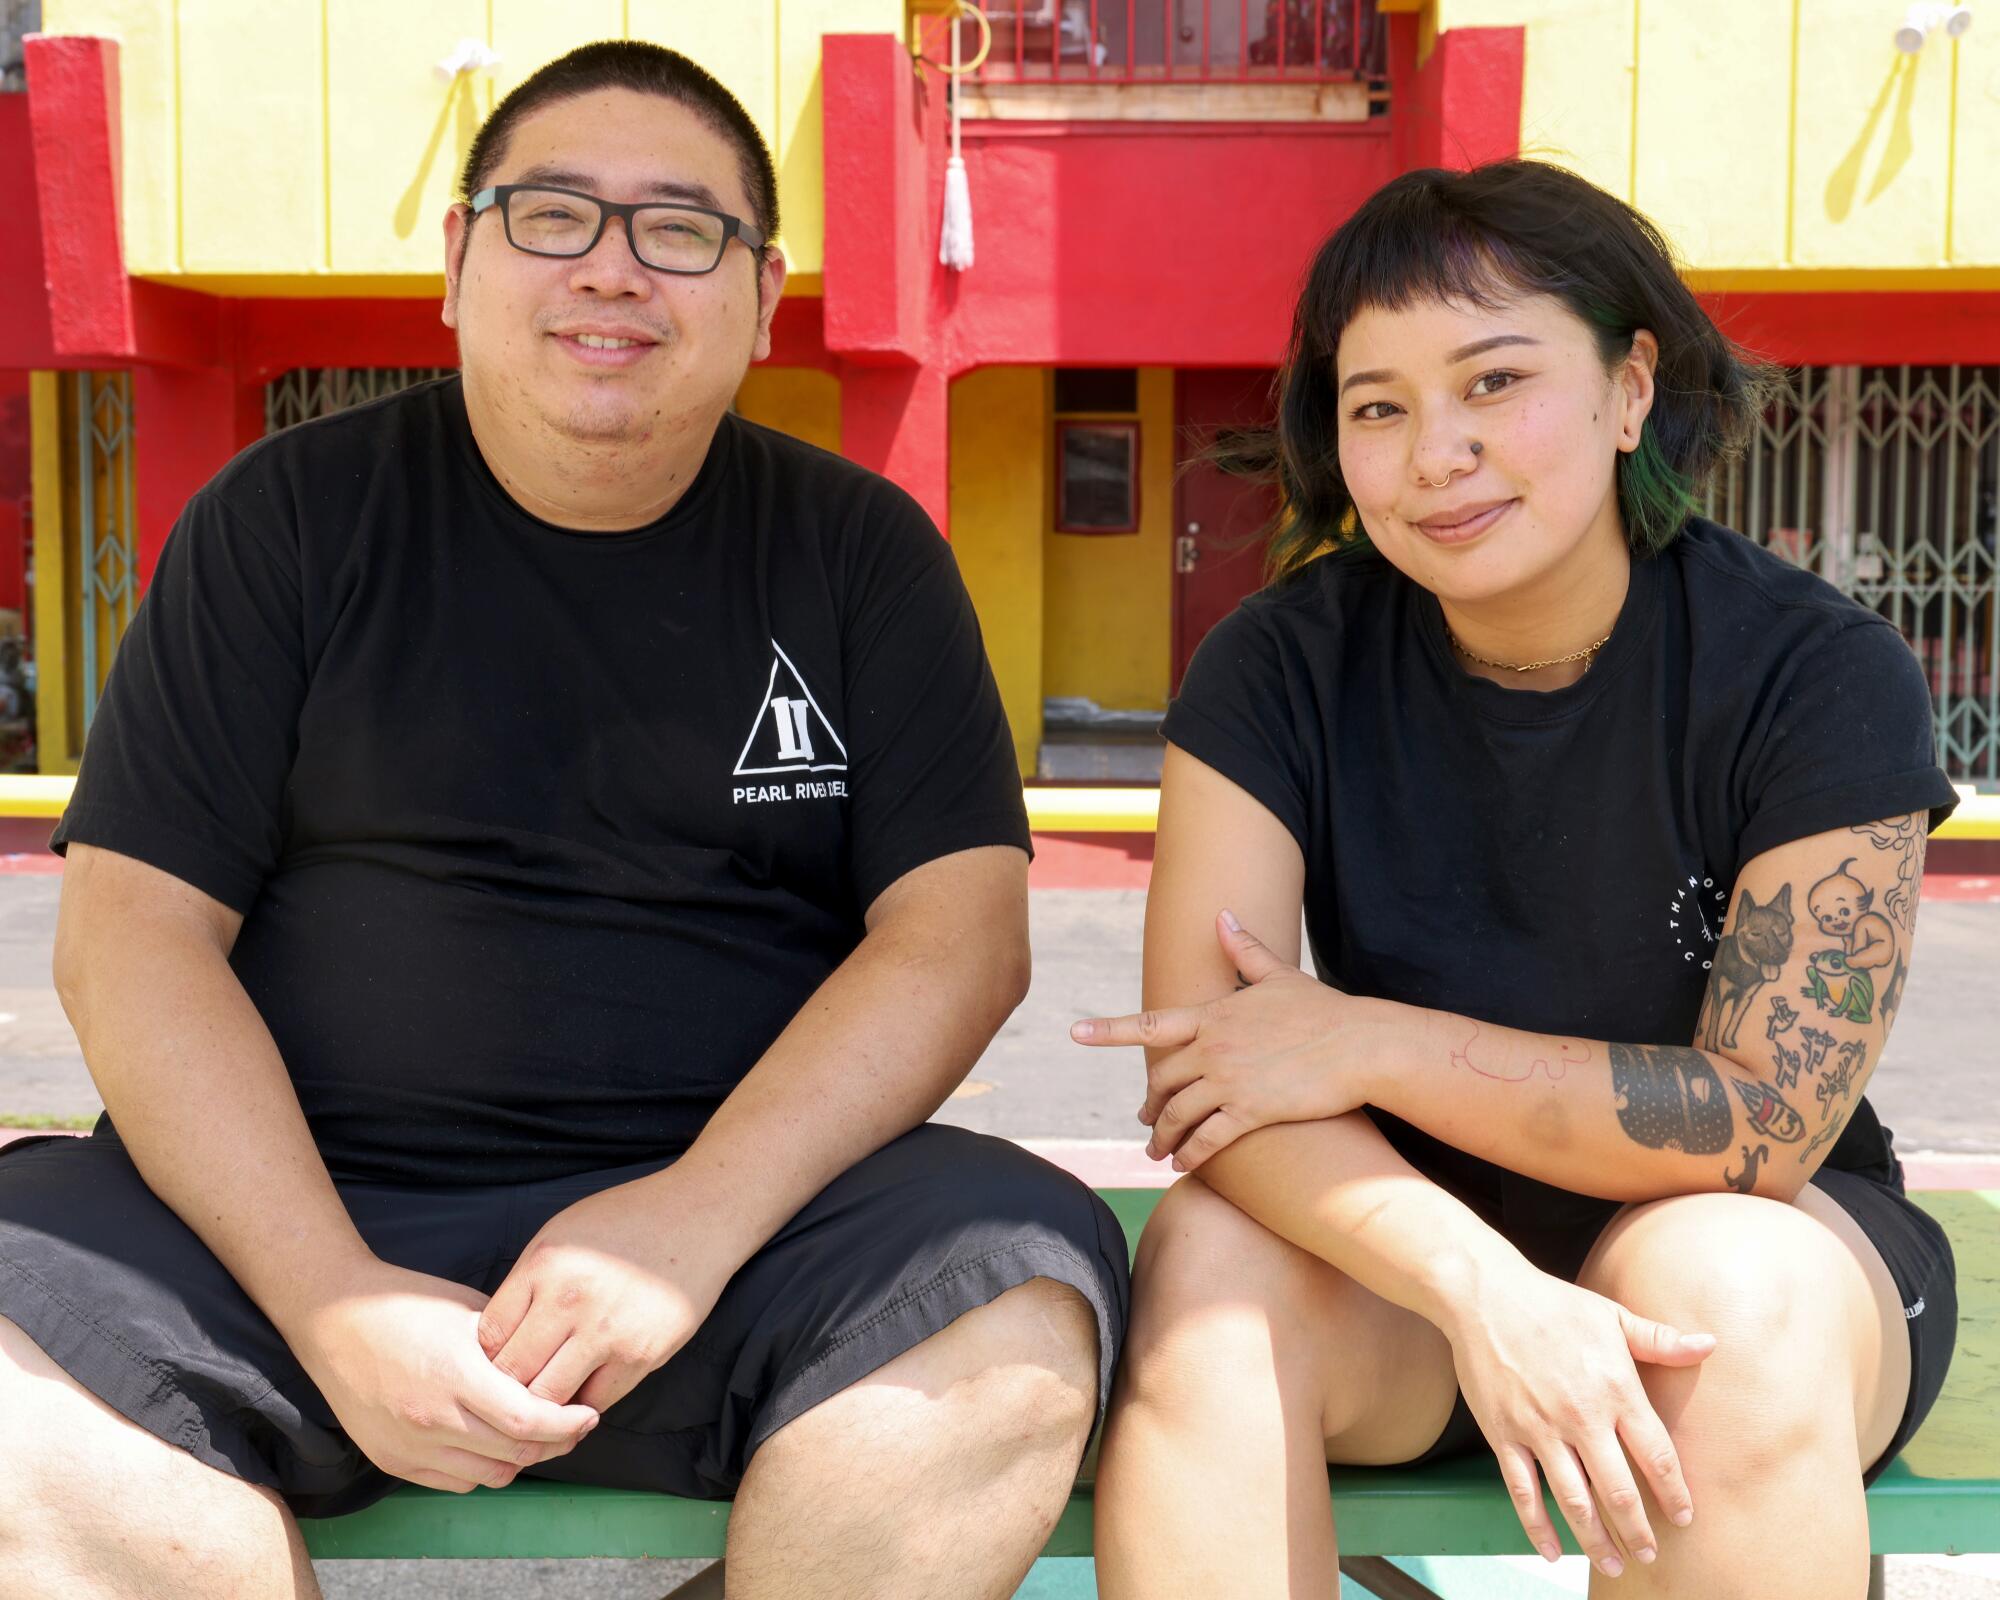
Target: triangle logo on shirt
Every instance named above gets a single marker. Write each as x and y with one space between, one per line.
791 733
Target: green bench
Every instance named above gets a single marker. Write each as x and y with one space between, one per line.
1942 1496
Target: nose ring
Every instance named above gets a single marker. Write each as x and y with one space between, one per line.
1446 479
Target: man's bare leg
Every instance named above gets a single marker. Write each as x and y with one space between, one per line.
942 1473
93 1507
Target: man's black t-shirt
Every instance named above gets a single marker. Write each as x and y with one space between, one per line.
1560 862
541 837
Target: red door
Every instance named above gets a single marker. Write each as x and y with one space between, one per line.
1218 558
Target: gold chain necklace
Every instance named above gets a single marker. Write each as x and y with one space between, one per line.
1586 655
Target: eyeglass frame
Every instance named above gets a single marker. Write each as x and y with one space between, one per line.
494 196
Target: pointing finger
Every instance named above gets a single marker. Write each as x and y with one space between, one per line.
1154 1029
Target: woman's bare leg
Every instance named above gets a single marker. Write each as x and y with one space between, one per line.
1249 1364
1807 1382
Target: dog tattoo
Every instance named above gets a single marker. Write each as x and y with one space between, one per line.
1749 956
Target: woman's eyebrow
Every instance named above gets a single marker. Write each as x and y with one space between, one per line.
1479 347
1466 352
1367 377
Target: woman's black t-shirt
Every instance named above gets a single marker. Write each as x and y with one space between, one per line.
1562 861
541 837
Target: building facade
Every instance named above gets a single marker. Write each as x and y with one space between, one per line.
235 206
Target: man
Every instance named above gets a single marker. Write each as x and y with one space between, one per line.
547 839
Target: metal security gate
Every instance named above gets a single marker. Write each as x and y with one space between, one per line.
107 556
1886 482
308 392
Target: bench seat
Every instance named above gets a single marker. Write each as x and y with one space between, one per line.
1941 1497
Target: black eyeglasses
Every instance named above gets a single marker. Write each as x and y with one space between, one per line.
568 222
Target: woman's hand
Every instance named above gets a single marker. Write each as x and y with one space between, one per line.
1550 1372
1283 1048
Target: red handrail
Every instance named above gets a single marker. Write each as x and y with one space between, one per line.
1087 41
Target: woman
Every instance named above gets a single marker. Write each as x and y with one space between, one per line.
1586 802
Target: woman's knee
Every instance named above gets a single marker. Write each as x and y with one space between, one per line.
1199 1249
1772 1286
1221 1302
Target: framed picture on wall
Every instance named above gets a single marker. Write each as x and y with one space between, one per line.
1097 477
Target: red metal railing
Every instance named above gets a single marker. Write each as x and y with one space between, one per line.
1199 41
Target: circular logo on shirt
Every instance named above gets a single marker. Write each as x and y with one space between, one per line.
1696 919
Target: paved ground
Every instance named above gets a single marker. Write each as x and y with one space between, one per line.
1935 1088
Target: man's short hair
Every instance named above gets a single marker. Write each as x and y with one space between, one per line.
648 69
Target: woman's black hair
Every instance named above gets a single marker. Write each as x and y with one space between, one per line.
1485 237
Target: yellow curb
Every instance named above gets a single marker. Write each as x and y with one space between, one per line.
31 796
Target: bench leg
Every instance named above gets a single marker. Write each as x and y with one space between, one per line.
704 1585
1386 1582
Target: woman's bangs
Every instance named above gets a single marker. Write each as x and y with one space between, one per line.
1400 261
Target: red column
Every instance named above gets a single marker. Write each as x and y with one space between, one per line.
882 267
186 424
1463 105
881 220
896 421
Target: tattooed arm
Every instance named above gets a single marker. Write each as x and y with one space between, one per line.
1805 982
1804 985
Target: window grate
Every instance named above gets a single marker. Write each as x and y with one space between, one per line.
1886 482
106 528
307 392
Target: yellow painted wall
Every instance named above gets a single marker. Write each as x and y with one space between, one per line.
1000 498
801 401
1778 142
269 144
269 141
1108 598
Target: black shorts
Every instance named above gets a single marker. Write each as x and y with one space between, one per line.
1918 1255
121 1294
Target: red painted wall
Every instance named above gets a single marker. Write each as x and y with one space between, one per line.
73 120
1117 243
1124 244
1097 243
16 458
24 299
1463 106
186 424
1877 329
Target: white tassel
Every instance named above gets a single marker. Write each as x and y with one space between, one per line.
470 55
955 243
955 238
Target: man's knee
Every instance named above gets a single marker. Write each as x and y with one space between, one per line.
1022 1369
77 1478
1016 1375
1036 1347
